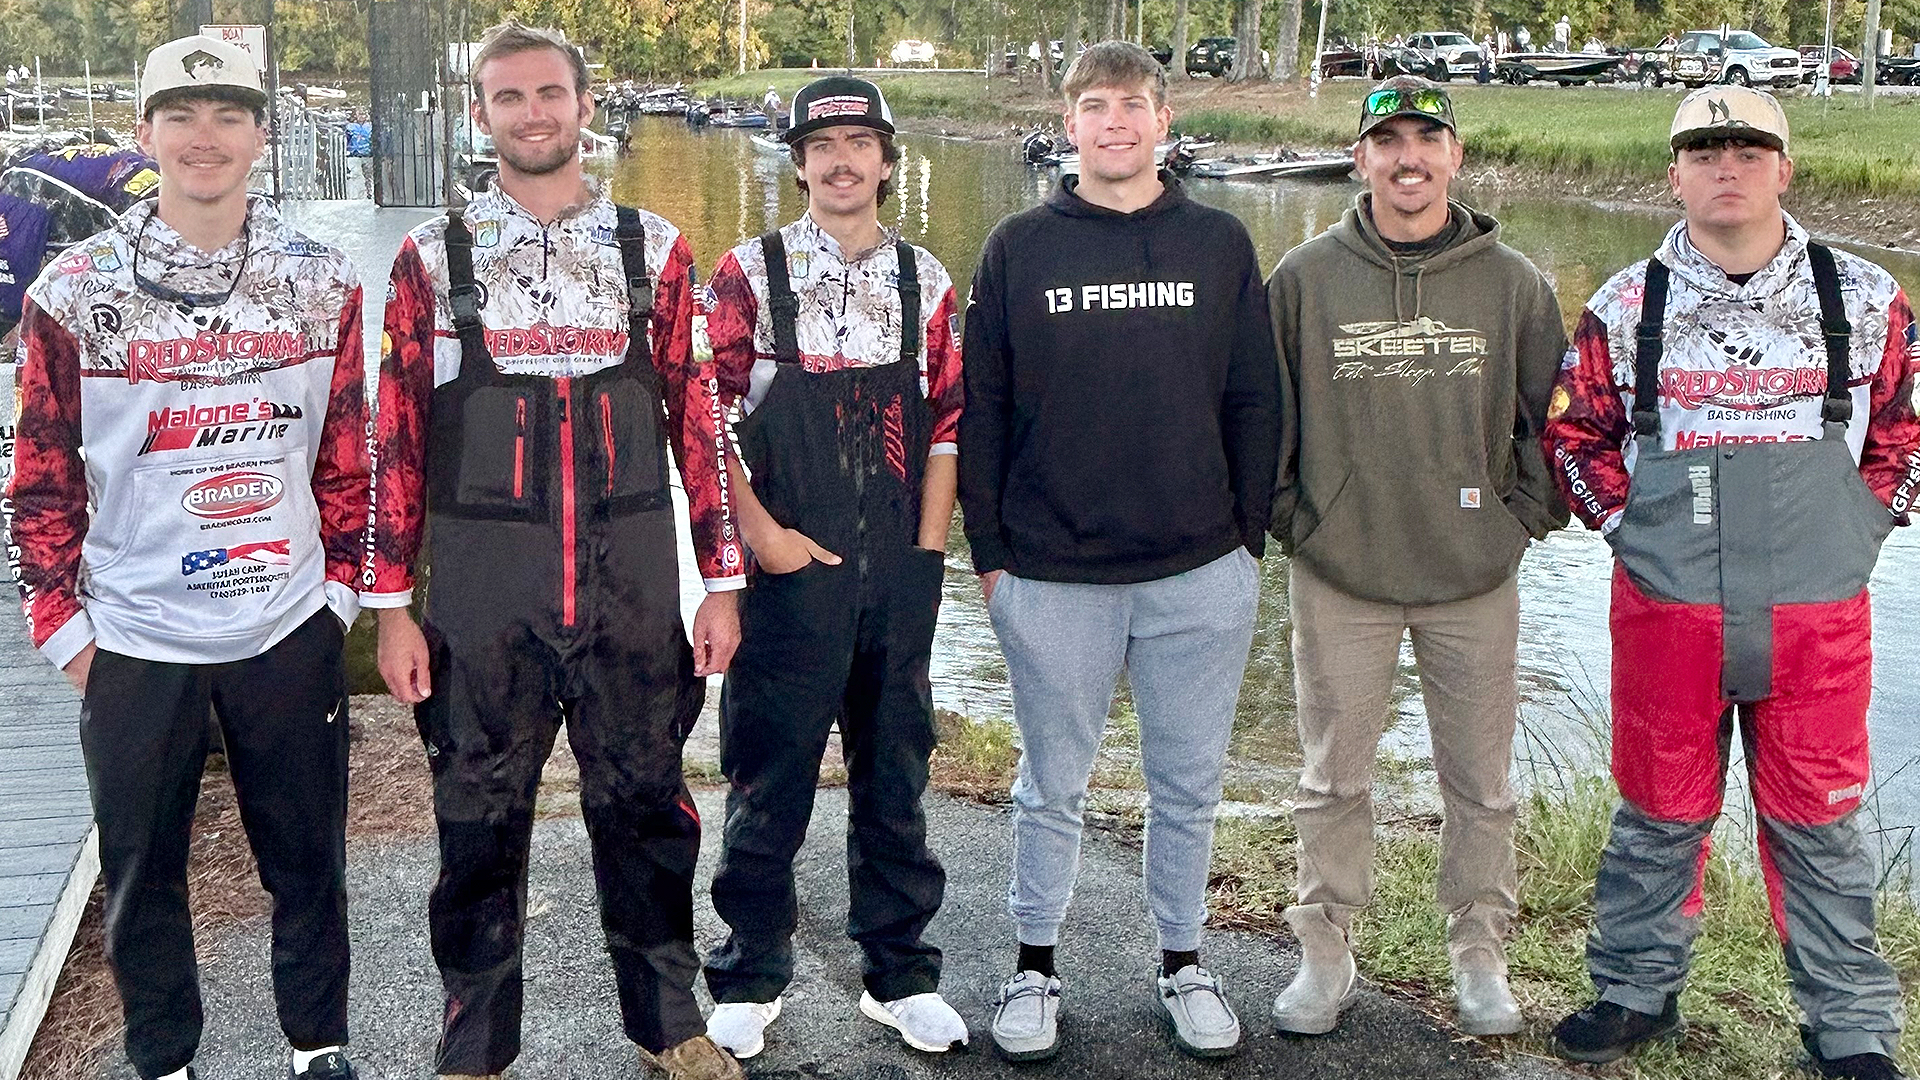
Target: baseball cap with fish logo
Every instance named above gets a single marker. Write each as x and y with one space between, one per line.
199 63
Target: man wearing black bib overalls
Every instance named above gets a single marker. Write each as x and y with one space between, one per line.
834 338
1736 417
536 350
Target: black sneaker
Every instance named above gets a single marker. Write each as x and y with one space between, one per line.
1851 1067
1605 1032
332 1065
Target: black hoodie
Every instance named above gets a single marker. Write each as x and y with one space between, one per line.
1123 393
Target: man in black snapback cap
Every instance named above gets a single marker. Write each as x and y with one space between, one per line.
833 341
837 99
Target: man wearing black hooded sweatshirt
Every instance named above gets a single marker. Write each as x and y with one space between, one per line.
1117 456
1421 352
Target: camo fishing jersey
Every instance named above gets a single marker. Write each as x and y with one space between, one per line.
553 302
1742 364
222 447
849 317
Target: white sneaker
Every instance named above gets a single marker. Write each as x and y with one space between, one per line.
925 1021
1203 1023
1026 1019
740 1026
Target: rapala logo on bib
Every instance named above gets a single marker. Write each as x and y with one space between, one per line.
233 494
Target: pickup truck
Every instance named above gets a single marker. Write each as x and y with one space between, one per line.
1743 58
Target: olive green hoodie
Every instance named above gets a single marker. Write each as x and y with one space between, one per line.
1414 472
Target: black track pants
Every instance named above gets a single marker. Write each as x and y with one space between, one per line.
143 732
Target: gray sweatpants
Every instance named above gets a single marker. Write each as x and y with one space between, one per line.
1183 642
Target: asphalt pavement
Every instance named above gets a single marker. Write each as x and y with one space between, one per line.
572 1028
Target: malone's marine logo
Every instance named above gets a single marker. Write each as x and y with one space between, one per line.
234 494
201 65
257 420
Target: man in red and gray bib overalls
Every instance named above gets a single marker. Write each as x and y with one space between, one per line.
1736 417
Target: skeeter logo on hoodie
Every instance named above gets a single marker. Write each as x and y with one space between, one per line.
1402 349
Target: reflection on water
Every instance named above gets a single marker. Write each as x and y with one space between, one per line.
719 190
1564 667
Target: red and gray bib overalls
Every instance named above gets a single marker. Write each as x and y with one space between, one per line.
839 456
1740 590
554 595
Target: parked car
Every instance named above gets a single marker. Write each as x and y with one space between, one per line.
1744 58
1032 55
910 51
1842 66
1456 50
1897 70
1213 56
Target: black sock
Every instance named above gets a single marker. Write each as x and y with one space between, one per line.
1171 961
1036 958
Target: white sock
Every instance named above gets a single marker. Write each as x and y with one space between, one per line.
301 1059
180 1075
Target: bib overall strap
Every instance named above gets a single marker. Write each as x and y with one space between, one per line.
632 237
1837 408
463 293
1648 349
909 302
782 306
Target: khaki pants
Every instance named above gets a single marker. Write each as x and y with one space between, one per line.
1345 654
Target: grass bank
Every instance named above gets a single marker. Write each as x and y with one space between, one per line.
1839 147
1742 1023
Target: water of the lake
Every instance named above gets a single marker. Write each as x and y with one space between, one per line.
719 189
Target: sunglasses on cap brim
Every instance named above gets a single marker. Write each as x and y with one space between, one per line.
1423 100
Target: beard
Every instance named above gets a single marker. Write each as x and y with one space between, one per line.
531 161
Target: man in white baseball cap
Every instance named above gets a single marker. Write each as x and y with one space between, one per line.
1736 418
200 66
189 508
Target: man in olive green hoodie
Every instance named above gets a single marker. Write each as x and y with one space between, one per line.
1420 352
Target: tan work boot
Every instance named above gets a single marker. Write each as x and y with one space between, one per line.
1483 1002
1326 982
699 1058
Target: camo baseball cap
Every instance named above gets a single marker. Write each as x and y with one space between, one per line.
1406 95
1729 112
198 63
